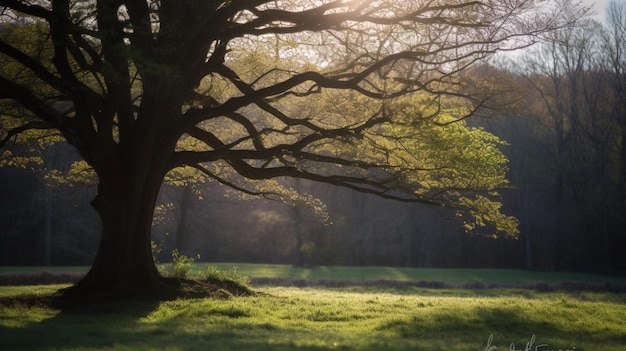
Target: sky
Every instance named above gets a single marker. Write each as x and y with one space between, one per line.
598 6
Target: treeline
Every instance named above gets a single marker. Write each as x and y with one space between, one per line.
568 147
567 165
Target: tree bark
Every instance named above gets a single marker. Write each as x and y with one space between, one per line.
123 267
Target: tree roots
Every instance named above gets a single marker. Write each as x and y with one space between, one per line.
87 296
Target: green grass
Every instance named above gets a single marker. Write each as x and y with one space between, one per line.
451 276
357 318
353 318
29 269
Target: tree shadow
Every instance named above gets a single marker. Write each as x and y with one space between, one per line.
129 326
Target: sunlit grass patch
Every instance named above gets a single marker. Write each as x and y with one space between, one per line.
10 290
452 276
21 316
424 319
358 318
288 275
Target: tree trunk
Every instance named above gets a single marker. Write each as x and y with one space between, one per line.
123 267
124 259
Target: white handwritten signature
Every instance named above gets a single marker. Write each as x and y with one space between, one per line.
530 346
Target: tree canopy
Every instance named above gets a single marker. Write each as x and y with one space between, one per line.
356 94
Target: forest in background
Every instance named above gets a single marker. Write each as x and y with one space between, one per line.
566 167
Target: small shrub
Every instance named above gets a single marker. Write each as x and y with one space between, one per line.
216 274
182 264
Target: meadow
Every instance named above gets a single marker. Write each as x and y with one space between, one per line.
453 277
319 318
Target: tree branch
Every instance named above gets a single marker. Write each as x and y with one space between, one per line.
42 125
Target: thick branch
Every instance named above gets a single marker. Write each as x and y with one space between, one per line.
23 7
49 117
43 125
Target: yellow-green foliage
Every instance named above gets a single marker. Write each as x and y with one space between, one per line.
440 152
7 158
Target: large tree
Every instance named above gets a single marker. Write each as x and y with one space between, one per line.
142 87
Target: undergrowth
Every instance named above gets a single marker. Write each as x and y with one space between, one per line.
181 264
232 274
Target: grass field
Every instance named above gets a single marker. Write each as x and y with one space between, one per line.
350 318
450 276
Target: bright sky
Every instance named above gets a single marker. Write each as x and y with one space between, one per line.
598 6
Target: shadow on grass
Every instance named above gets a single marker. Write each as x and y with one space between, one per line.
128 327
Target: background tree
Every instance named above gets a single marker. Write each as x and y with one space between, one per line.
566 150
615 46
140 79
